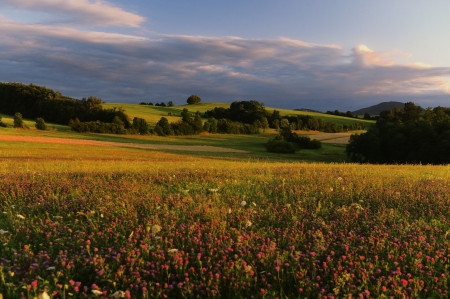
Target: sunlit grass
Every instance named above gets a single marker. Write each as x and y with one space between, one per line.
79 221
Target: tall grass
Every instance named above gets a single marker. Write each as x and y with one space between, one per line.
86 221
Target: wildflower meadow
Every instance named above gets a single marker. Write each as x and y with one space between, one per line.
172 226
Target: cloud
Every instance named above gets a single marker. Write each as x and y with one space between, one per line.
279 72
85 12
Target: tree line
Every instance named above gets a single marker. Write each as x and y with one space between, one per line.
407 135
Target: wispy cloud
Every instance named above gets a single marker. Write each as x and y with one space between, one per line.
86 12
279 72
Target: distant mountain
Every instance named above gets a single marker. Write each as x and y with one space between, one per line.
376 109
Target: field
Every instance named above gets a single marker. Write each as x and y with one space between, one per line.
102 216
79 218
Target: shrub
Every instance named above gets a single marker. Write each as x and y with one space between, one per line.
314 144
18 122
281 146
40 124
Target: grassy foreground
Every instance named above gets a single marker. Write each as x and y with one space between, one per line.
97 222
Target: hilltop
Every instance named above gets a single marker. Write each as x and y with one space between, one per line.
376 109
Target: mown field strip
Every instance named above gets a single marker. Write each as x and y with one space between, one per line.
194 148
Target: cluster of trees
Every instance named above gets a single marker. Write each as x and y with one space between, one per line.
162 104
349 114
85 115
307 122
19 123
36 101
344 114
193 99
117 126
188 125
253 112
408 135
245 117
289 142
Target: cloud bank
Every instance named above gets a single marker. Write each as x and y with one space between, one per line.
133 68
81 12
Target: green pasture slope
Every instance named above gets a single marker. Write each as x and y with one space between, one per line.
252 144
153 113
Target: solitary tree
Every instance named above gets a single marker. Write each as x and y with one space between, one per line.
163 127
40 124
170 104
193 99
18 122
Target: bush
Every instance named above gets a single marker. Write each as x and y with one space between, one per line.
40 124
163 127
281 146
18 122
314 144
140 125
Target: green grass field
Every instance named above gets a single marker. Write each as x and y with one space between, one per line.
252 144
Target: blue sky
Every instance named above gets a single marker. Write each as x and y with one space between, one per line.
322 55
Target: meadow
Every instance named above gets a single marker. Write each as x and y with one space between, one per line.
214 216
90 221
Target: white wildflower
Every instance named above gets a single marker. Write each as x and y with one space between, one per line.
243 203
2 232
253 203
50 268
339 179
249 223
97 292
229 210
44 295
119 294
213 190
20 216
173 250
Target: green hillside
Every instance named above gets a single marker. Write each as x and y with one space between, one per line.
153 113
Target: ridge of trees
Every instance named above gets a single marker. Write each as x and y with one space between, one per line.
250 112
407 135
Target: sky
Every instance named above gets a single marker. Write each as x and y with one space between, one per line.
321 55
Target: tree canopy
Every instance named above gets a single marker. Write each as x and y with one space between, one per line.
193 99
408 135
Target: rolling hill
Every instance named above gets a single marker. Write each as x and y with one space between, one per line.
376 109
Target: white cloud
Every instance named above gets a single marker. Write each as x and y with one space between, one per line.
86 12
279 72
